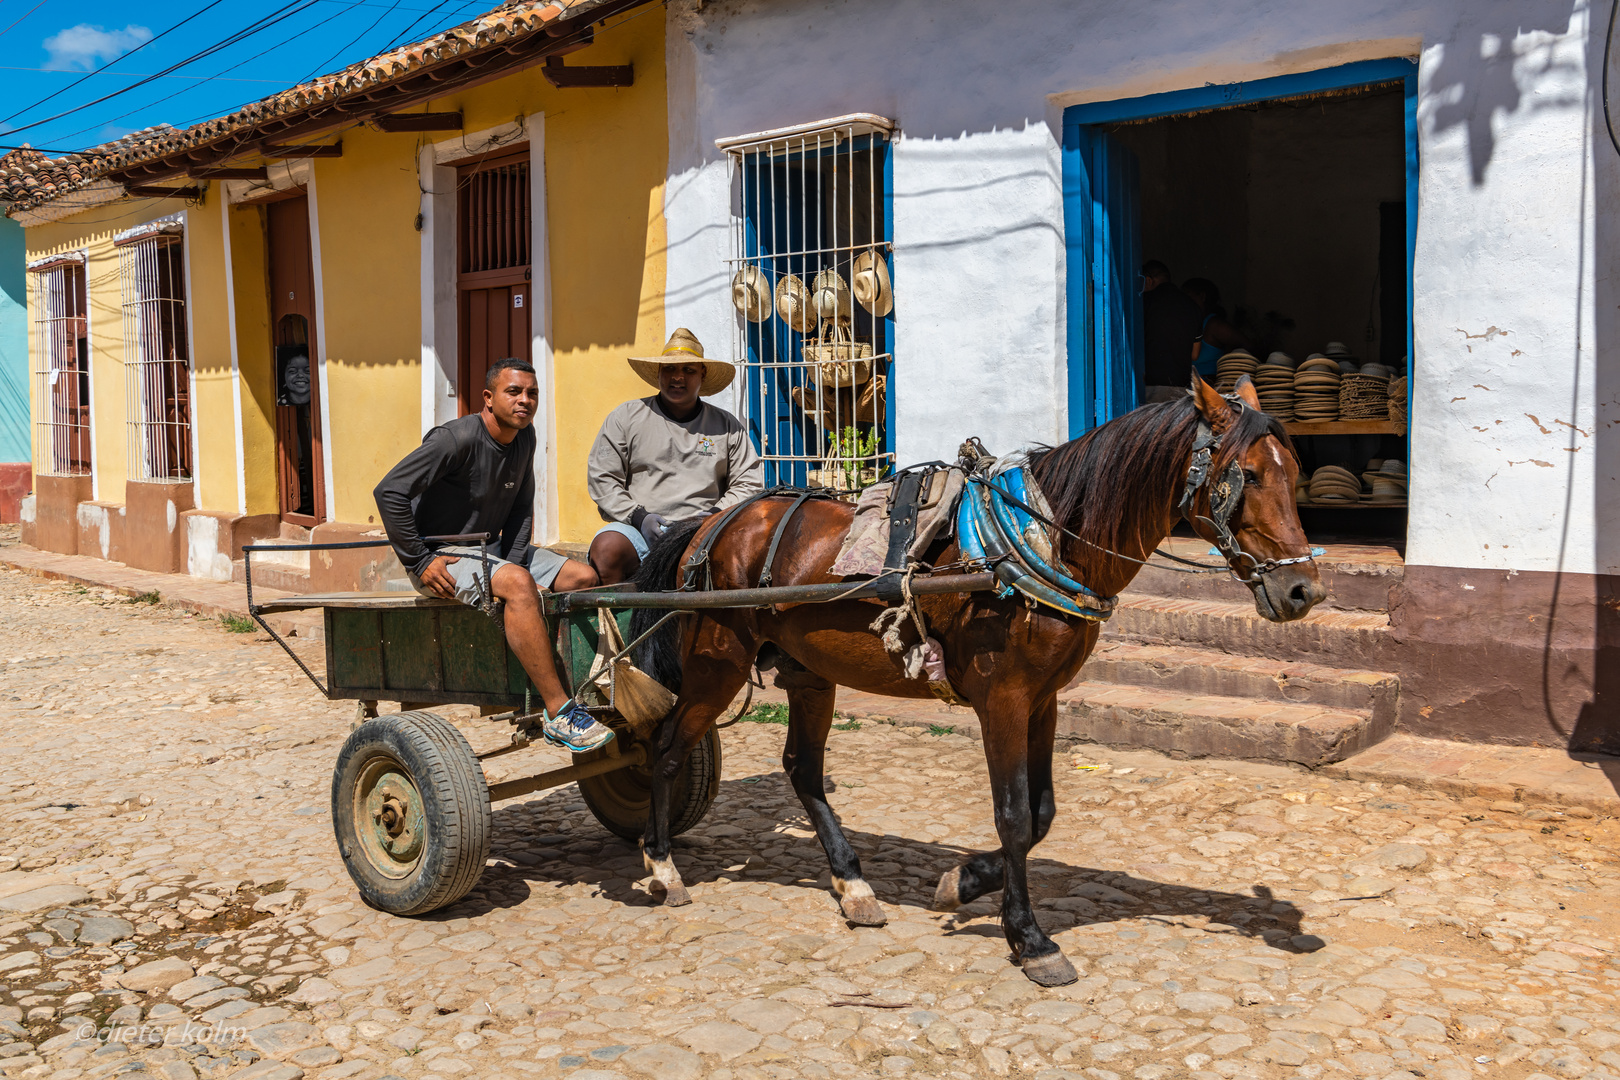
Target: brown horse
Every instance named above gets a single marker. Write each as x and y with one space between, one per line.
1117 489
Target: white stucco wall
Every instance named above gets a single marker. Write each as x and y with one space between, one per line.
1513 462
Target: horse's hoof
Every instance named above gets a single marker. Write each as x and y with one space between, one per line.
948 897
1053 969
863 910
675 895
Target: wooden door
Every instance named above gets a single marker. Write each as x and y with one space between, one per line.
300 468
493 229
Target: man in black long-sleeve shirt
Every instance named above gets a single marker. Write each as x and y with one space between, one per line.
476 475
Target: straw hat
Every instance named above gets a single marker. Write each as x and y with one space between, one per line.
684 348
793 304
829 295
751 293
870 279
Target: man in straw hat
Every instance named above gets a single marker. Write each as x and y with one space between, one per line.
670 456
476 475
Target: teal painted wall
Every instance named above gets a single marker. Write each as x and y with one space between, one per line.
13 344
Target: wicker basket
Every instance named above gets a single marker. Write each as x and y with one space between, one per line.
841 362
1363 397
1397 399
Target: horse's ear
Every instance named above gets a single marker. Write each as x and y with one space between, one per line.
1215 410
1245 390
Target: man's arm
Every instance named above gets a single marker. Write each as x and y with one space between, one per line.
745 473
415 473
608 469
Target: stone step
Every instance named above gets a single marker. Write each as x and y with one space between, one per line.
1358 577
273 575
1183 670
1346 639
1206 725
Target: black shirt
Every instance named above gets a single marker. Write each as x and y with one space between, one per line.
460 480
1170 321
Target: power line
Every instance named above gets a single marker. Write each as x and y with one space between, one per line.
352 43
21 17
110 63
139 74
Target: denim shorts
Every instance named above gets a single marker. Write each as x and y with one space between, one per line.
633 535
468 571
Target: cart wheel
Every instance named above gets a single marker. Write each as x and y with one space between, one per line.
620 800
411 810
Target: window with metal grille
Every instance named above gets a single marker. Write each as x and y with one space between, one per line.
61 369
811 254
494 217
157 360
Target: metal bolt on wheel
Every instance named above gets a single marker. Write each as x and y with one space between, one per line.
410 807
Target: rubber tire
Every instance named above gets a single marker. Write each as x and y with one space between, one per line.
455 811
621 800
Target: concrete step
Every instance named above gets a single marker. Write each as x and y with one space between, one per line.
1346 639
1205 725
273 575
1183 670
1358 577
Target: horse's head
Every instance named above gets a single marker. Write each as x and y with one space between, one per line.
1261 536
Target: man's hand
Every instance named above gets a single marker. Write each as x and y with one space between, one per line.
438 579
652 527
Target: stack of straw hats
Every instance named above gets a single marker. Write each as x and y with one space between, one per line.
1397 399
1316 389
1364 394
1274 382
1333 484
1231 367
1341 355
1387 482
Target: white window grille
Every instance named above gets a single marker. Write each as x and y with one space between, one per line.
157 362
61 368
811 260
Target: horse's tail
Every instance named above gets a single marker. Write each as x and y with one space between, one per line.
660 655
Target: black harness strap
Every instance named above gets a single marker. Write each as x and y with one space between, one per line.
700 555
781 527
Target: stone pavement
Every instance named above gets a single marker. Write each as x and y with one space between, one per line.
172 906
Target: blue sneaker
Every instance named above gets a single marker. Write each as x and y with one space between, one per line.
575 729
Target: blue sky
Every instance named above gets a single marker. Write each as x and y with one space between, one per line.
52 53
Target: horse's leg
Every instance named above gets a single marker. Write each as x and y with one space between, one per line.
810 716
1008 726
718 680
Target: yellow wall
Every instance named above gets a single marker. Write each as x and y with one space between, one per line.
251 288
213 413
92 232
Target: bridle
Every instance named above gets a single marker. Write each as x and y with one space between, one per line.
1225 492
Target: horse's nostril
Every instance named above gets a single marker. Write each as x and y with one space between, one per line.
1300 594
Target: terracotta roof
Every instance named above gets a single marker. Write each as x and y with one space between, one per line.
516 33
28 177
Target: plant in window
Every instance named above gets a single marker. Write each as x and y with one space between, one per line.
852 458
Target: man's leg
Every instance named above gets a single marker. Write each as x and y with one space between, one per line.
572 575
526 632
614 557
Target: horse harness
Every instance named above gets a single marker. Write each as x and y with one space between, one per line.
699 562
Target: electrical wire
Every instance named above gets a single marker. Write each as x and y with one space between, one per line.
21 17
281 14
319 68
1608 47
92 74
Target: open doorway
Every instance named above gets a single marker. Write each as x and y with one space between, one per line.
1280 210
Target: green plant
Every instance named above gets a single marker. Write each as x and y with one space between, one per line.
848 725
236 624
768 713
851 452
941 729
144 598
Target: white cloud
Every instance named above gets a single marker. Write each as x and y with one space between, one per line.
83 47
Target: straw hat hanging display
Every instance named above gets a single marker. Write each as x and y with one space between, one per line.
1316 389
793 304
830 297
751 293
870 280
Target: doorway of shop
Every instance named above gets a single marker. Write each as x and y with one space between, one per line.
300 470
1275 222
493 230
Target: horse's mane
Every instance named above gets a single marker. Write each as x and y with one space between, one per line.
1113 484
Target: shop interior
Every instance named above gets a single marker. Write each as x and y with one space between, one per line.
1296 210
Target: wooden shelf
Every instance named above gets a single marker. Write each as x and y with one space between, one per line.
1345 427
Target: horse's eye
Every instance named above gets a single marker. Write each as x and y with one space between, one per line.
1250 478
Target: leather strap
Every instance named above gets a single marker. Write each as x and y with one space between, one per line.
700 555
781 527
903 517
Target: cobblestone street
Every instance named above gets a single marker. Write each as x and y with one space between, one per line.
172 905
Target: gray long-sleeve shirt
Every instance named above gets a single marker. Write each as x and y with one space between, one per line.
644 462
460 480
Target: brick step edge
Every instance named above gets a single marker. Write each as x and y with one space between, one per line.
1191 726
1189 670
1334 638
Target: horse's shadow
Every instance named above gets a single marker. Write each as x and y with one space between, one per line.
516 877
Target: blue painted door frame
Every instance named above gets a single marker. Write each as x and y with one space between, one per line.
1104 324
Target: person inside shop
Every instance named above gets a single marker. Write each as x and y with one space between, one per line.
1170 319
1216 336
475 475
669 456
